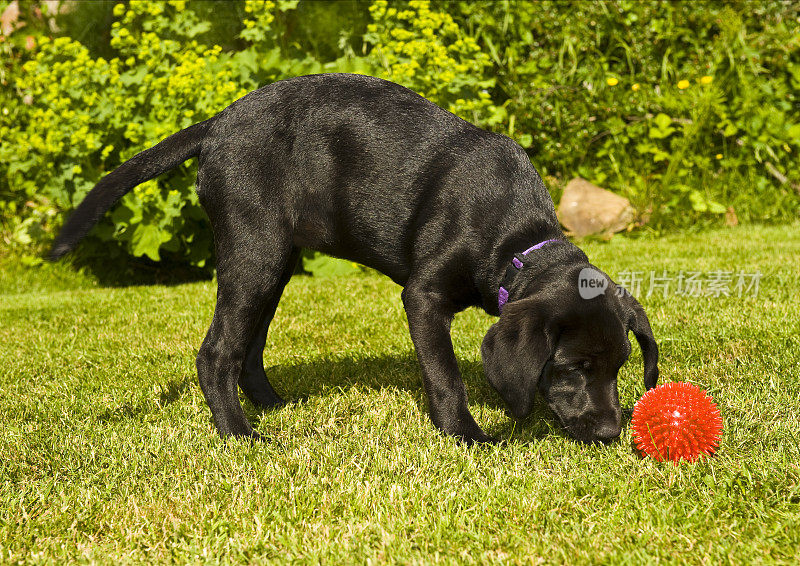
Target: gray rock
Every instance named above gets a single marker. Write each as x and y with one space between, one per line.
587 209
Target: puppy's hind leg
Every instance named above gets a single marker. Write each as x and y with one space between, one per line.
251 265
253 380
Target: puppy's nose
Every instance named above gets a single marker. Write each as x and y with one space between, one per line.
607 433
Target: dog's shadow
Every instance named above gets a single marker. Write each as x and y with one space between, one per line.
319 378
305 380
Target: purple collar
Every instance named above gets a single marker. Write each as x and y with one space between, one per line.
502 294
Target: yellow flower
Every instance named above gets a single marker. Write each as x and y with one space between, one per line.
683 84
611 81
635 87
719 156
706 80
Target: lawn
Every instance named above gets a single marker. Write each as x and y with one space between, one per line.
108 453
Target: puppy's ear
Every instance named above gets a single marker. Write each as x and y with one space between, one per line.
514 352
639 324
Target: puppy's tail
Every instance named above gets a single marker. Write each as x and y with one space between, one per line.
142 167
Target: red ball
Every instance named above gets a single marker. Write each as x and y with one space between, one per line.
676 421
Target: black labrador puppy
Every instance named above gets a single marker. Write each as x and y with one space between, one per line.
367 170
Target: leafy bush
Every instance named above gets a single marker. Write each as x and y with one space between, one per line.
426 51
688 109
87 115
84 116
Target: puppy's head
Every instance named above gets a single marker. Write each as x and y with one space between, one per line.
569 349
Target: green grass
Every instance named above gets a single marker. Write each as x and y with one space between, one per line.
108 453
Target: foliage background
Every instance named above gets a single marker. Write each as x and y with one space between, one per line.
690 109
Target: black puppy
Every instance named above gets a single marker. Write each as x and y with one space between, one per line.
367 170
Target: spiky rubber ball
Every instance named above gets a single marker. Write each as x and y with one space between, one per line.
676 421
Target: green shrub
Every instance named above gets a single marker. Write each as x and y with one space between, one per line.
20 35
426 51
87 115
687 108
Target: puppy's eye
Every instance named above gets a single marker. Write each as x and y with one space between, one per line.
581 365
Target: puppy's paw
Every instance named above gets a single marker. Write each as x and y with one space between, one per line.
271 405
250 437
256 437
483 440
475 435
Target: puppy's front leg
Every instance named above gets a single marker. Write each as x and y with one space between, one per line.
429 320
